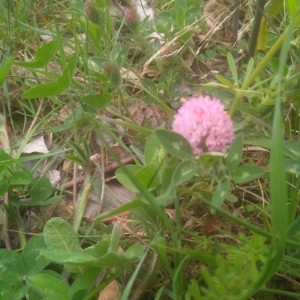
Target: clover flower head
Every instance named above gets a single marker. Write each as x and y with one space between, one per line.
205 124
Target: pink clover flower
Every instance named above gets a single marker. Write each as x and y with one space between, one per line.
205 124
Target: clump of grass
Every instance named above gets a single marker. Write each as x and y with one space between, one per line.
213 226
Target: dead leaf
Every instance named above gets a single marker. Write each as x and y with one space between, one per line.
36 146
212 224
4 140
54 177
110 292
147 114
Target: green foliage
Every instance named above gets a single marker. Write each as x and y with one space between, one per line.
213 226
43 56
245 174
48 285
54 88
5 68
38 188
147 176
16 268
30 272
97 101
174 144
293 9
237 271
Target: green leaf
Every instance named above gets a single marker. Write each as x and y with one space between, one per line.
6 171
180 17
97 100
193 290
12 268
129 286
235 153
175 144
232 67
123 208
6 160
99 249
294 228
115 238
278 183
82 155
6 292
48 284
68 257
48 89
146 175
265 143
274 8
249 69
123 178
20 178
220 194
76 159
154 151
185 171
5 68
66 77
59 235
79 294
292 166
111 259
84 282
207 158
225 81
40 189
292 149
33 263
4 186
84 259
134 251
43 56
167 197
244 174
54 88
49 201
45 53
293 7
263 34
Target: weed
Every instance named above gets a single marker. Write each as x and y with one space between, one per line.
100 197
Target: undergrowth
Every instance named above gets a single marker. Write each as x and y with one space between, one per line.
98 89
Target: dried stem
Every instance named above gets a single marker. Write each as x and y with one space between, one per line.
259 11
